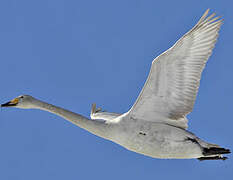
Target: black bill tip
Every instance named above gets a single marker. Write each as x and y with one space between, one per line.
8 104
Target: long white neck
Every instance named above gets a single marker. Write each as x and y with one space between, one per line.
96 127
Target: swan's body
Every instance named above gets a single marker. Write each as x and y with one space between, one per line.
156 124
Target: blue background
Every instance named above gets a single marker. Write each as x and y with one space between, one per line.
73 53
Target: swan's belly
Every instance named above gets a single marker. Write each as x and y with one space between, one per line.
157 140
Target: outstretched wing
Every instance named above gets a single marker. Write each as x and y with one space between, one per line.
173 81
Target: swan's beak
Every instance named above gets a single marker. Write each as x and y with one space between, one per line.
13 102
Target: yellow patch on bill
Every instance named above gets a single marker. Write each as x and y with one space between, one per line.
15 101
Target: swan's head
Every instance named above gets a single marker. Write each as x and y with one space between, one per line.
23 101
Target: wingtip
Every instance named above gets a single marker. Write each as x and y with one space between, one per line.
207 10
208 19
203 16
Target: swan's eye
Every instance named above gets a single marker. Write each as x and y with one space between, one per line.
22 97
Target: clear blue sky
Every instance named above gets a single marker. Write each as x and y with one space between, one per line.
73 53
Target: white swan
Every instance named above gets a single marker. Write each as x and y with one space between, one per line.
156 124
